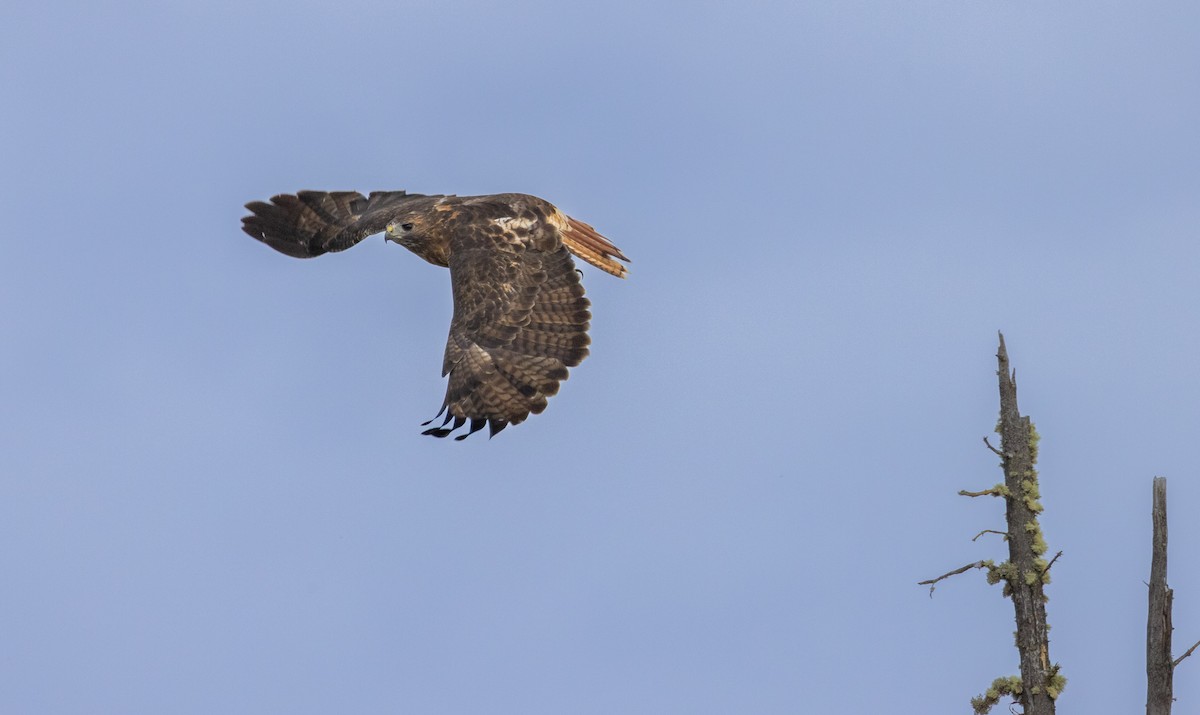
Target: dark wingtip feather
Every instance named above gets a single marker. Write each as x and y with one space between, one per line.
444 431
441 430
476 425
439 414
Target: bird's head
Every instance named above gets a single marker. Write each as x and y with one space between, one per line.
404 230
415 232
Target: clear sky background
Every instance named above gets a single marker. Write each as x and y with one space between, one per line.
214 493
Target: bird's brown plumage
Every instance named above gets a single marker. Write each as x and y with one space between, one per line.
520 315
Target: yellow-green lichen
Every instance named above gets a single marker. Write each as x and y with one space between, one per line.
1006 571
1000 687
1039 546
1011 687
1056 683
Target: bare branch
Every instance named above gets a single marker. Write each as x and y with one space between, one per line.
930 583
993 492
1178 660
1047 569
992 531
998 452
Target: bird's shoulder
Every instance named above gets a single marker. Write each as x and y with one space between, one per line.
506 222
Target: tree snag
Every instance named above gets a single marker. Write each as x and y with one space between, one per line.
1159 666
1026 580
1025 573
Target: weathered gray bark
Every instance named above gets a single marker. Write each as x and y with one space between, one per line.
1159 667
1026 572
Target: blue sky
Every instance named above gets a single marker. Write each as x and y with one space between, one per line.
214 494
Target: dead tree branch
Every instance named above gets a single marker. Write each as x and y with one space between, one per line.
1186 654
991 531
1047 569
996 491
989 446
930 582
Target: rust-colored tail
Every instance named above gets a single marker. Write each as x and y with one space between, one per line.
583 240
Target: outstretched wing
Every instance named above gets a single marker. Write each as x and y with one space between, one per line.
520 320
310 223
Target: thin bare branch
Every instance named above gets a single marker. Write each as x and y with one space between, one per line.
1191 650
993 492
992 531
998 452
930 583
1047 569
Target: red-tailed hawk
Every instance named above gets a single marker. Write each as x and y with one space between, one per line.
520 316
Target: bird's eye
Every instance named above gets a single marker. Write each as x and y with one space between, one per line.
406 226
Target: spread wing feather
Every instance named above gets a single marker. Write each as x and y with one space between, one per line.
309 223
520 320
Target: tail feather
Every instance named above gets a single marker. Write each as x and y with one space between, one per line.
585 242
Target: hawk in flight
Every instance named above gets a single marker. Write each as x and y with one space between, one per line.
520 316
